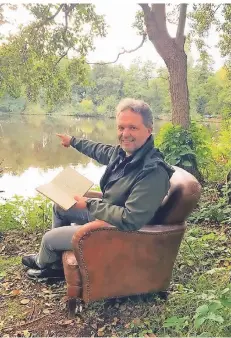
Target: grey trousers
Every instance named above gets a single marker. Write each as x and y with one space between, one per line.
58 239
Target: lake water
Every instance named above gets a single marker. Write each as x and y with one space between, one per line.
33 154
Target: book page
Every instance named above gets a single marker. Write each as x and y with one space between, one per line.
65 186
73 183
57 195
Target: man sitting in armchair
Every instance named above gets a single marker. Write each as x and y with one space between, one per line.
134 185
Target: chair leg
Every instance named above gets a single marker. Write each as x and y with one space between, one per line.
71 305
163 294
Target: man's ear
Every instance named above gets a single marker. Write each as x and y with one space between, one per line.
150 130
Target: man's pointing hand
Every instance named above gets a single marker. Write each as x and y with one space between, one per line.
66 139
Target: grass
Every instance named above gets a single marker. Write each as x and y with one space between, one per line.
7 264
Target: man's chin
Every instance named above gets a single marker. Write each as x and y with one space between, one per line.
128 150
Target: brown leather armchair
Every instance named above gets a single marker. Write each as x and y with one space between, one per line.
108 263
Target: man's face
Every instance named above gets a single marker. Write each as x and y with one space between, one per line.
131 131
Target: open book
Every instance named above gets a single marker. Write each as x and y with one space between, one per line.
65 186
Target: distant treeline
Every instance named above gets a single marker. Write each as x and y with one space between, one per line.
107 84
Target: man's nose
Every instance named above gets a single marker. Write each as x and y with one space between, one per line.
126 132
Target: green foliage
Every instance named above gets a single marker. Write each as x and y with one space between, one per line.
210 146
174 142
30 59
178 145
211 312
205 17
66 86
213 207
200 301
221 151
86 106
35 62
25 214
10 104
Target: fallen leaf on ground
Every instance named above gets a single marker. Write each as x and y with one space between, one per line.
115 321
25 301
16 292
101 329
46 311
3 248
65 322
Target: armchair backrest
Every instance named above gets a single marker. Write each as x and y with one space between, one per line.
182 198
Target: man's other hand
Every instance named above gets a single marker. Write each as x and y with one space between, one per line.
66 139
81 202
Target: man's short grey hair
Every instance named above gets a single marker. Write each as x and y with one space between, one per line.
137 106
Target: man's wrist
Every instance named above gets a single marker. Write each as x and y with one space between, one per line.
88 202
72 140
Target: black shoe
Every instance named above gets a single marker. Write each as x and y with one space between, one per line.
45 273
29 262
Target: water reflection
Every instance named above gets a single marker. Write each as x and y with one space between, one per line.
25 183
33 155
30 141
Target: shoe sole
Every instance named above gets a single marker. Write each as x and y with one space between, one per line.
45 279
25 267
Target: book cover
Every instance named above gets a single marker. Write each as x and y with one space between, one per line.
65 186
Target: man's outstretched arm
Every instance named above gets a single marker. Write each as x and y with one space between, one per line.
98 151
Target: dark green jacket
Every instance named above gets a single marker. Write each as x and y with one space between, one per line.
132 200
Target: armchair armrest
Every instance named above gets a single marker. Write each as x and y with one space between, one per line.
116 263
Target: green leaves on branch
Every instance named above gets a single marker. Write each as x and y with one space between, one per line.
30 60
204 19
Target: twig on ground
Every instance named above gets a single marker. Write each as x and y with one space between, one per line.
32 312
24 324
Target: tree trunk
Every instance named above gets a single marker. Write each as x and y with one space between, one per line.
172 52
176 62
177 68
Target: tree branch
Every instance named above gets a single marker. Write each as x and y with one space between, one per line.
66 24
121 53
146 8
50 18
61 57
66 14
217 8
181 25
160 18
72 6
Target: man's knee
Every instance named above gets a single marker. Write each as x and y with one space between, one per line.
47 239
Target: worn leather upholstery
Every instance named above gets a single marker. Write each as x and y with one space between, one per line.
107 263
